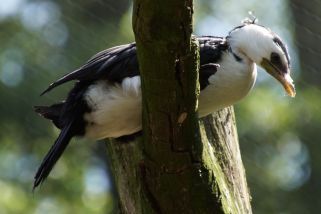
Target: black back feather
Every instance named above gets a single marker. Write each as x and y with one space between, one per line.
114 64
104 65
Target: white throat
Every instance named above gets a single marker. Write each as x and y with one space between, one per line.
232 82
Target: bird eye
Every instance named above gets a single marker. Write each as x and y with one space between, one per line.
277 62
275 58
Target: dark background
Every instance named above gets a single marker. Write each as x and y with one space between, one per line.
280 137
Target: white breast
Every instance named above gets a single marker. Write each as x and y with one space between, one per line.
116 108
231 83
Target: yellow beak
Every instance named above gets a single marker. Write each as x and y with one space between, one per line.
284 78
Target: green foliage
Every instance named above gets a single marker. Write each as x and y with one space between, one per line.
40 41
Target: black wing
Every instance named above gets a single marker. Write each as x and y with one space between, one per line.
206 71
211 50
113 64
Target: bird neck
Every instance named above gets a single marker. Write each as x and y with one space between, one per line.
240 50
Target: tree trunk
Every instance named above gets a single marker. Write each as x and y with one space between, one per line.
221 167
180 165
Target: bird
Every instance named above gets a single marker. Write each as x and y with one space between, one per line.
106 100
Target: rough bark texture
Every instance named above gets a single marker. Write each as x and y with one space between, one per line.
224 160
180 165
220 168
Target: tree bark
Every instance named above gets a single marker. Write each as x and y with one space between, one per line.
180 165
221 167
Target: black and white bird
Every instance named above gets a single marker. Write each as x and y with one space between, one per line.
106 101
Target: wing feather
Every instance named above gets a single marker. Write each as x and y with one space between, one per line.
102 66
114 64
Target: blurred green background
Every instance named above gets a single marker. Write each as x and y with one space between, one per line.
280 137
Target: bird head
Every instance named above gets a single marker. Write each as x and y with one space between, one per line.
266 49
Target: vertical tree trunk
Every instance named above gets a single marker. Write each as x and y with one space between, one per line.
180 165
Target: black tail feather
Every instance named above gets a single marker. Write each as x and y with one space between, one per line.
52 113
53 155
